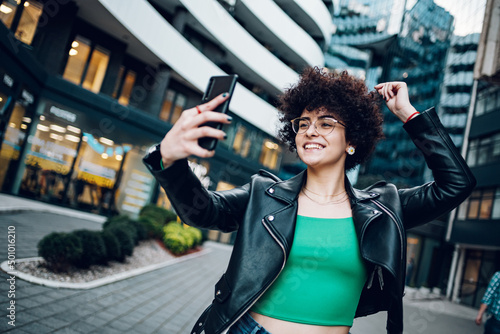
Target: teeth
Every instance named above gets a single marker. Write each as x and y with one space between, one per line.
309 146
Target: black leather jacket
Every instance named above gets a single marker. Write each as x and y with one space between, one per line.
264 212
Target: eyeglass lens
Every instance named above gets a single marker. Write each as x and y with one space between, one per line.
323 126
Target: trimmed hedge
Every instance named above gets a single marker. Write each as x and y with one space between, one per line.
154 229
179 239
94 249
60 250
159 214
125 239
113 247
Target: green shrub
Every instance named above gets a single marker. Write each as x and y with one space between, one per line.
113 248
176 243
114 220
179 239
125 239
159 214
195 234
126 223
94 249
140 229
60 250
173 227
154 230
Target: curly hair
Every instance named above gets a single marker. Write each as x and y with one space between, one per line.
341 94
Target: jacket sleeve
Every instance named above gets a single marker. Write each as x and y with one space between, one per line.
194 204
453 180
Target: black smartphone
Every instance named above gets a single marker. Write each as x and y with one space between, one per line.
216 86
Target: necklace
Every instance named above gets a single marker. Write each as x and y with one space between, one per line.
335 195
337 201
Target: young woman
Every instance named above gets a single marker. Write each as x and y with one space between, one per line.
312 253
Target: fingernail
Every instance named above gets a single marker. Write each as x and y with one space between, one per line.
225 137
229 118
224 95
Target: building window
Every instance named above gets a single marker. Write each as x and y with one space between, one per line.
242 141
483 204
172 107
124 85
270 154
484 150
21 17
87 64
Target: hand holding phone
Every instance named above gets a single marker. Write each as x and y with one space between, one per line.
216 86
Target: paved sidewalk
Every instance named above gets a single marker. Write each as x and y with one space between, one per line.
13 204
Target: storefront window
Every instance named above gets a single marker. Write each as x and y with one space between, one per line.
21 16
29 21
88 61
270 154
471 275
49 160
14 137
8 11
172 107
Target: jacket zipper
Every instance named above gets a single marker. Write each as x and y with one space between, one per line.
282 266
383 208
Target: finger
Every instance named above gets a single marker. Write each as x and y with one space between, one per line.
201 152
380 85
210 116
205 131
212 104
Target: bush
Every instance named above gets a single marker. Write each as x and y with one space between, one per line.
196 235
125 239
173 227
154 230
126 223
176 243
159 214
140 229
113 248
179 239
115 220
94 249
60 250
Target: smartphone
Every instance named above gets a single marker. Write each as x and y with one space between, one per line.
216 86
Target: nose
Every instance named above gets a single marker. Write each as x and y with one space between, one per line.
312 130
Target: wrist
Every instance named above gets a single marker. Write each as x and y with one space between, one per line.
415 114
164 163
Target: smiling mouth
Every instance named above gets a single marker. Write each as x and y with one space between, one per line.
313 147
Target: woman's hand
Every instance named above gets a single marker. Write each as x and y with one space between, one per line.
396 97
182 140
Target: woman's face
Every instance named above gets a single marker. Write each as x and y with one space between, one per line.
317 150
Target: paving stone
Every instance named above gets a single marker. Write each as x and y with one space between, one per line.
36 328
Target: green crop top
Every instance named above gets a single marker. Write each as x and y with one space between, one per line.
322 280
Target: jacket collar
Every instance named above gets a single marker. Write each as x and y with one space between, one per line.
289 190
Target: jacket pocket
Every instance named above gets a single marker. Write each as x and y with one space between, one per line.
222 289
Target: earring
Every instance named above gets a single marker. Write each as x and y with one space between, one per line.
351 150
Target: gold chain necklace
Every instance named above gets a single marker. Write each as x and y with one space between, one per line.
335 195
337 201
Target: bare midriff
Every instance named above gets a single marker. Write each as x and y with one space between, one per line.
277 326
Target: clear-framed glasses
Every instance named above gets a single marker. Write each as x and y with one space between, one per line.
323 125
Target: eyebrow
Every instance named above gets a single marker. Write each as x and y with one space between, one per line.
323 116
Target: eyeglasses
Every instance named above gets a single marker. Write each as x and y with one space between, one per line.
323 126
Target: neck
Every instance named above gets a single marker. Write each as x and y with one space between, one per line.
325 182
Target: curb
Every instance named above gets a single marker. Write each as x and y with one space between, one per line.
98 282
